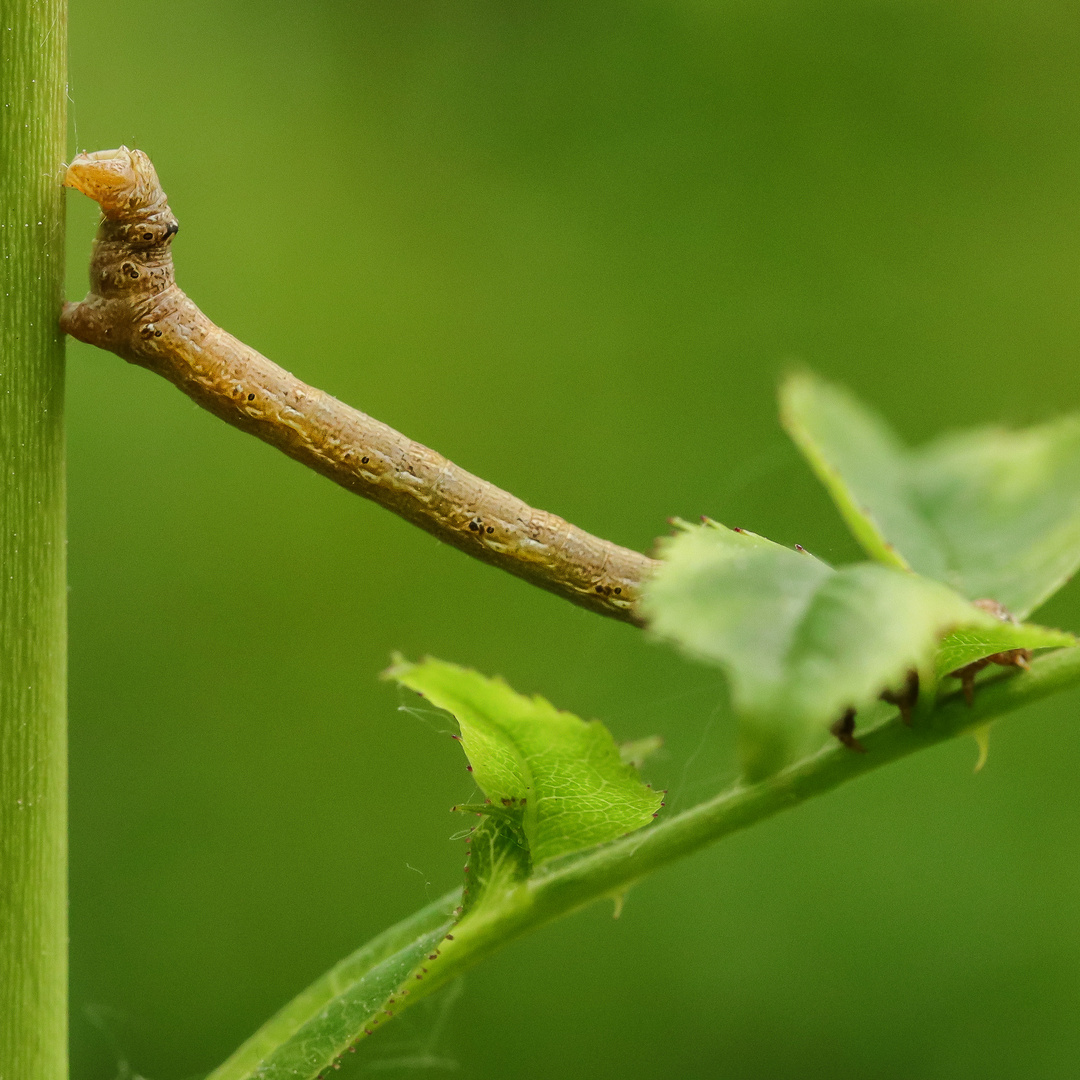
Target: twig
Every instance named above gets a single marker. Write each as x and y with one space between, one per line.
567 884
136 310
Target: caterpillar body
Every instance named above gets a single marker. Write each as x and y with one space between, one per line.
136 310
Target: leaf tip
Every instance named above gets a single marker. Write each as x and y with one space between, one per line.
399 666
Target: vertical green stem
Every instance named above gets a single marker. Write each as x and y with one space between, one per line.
33 743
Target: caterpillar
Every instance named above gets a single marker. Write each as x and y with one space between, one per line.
136 310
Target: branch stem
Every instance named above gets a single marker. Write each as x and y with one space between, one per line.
606 871
288 1045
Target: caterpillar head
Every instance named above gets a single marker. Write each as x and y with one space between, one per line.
122 181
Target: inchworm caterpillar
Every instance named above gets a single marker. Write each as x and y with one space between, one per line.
135 309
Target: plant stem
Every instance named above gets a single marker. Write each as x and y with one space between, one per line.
608 870
282 1047
33 739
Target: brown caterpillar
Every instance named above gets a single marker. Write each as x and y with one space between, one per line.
136 310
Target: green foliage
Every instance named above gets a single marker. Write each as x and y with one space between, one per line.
376 983
802 642
991 513
560 777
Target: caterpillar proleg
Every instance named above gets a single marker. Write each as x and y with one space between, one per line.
136 310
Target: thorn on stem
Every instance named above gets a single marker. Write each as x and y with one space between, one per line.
844 730
905 698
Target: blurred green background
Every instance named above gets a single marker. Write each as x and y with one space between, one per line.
572 246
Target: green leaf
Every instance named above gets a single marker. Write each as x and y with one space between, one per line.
801 643
564 774
311 1033
973 643
991 513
